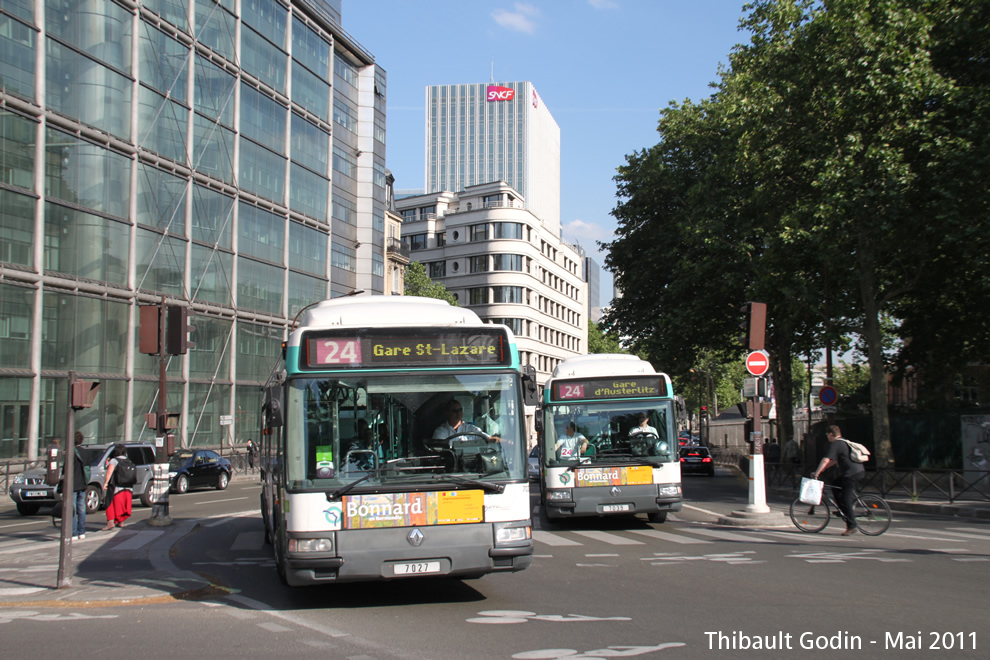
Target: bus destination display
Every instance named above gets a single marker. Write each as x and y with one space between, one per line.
608 388
470 347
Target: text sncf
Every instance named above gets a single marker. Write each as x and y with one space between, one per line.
497 93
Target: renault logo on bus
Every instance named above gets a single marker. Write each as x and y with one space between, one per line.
415 537
498 93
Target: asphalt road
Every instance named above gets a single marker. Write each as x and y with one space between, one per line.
606 588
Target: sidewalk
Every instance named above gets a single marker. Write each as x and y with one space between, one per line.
127 566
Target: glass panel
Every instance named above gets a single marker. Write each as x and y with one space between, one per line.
214 91
310 145
86 174
215 27
212 217
86 90
344 162
342 257
160 262
173 11
608 427
247 412
304 290
263 60
21 9
164 62
344 115
146 399
307 249
260 233
259 348
211 356
345 70
69 239
213 149
508 262
262 119
260 286
311 49
344 209
16 229
267 17
212 275
161 200
206 403
102 30
508 294
262 172
162 125
308 193
310 92
84 334
17 44
16 305
17 144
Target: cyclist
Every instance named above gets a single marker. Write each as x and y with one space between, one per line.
850 476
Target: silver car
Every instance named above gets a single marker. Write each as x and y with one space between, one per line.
30 492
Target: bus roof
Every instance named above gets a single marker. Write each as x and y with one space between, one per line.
379 310
602 364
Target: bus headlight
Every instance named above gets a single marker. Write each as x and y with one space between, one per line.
310 545
512 533
559 495
670 489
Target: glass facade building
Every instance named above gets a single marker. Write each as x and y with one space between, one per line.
205 152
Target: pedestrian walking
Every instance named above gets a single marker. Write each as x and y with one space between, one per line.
120 474
80 479
252 452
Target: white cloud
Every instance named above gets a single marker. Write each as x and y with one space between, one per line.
603 4
586 233
520 20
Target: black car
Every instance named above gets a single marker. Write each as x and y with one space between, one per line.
697 460
198 468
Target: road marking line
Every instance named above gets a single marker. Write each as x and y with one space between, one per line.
137 540
667 536
611 539
942 531
552 539
729 536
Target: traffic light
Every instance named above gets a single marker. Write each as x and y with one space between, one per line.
149 338
178 329
704 411
754 325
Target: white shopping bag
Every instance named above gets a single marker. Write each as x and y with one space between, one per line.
811 491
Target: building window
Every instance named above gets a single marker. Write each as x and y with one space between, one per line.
478 296
508 230
479 264
441 239
342 257
344 69
438 269
344 115
508 294
416 241
508 262
344 162
410 215
344 210
479 233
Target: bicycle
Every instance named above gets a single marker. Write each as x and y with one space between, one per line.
871 512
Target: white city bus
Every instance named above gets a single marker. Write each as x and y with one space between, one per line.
358 483
620 455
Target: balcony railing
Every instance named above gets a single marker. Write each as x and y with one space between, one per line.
395 246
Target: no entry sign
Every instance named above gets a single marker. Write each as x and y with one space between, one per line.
757 363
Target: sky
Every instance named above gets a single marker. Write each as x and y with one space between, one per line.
604 69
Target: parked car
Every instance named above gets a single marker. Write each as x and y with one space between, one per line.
30 492
697 460
533 464
198 468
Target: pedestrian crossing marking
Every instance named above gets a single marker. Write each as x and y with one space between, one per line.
729 536
985 533
947 533
552 539
667 536
135 541
606 537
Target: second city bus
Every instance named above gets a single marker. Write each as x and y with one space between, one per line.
609 440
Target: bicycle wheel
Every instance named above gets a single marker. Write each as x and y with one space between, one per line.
872 515
809 517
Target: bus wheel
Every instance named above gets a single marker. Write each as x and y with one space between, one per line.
658 517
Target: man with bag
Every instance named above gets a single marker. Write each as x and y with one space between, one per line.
851 475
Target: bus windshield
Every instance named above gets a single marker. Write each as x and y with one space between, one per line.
609 432
403 429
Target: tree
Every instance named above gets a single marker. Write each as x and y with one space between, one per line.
837 173
600 341
417 283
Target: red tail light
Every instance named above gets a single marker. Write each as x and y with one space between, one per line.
706 459
682 459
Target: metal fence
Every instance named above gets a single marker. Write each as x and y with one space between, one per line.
914 484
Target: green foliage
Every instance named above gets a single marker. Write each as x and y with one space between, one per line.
417 283
600 341
837 173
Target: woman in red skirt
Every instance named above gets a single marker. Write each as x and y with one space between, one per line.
119 508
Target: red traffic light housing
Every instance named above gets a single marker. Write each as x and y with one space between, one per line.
149 330
178 329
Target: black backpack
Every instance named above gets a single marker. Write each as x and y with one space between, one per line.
125 474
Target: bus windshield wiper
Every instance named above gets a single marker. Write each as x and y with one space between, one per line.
343 490
484 485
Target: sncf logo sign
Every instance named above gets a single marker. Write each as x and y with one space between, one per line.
496 93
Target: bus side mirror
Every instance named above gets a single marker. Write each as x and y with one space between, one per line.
272 408
538 422
531 391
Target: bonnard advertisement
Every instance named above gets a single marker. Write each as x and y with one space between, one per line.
497 93
614 476
414 509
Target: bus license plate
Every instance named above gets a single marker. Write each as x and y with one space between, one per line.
35 493
416 568
615 508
